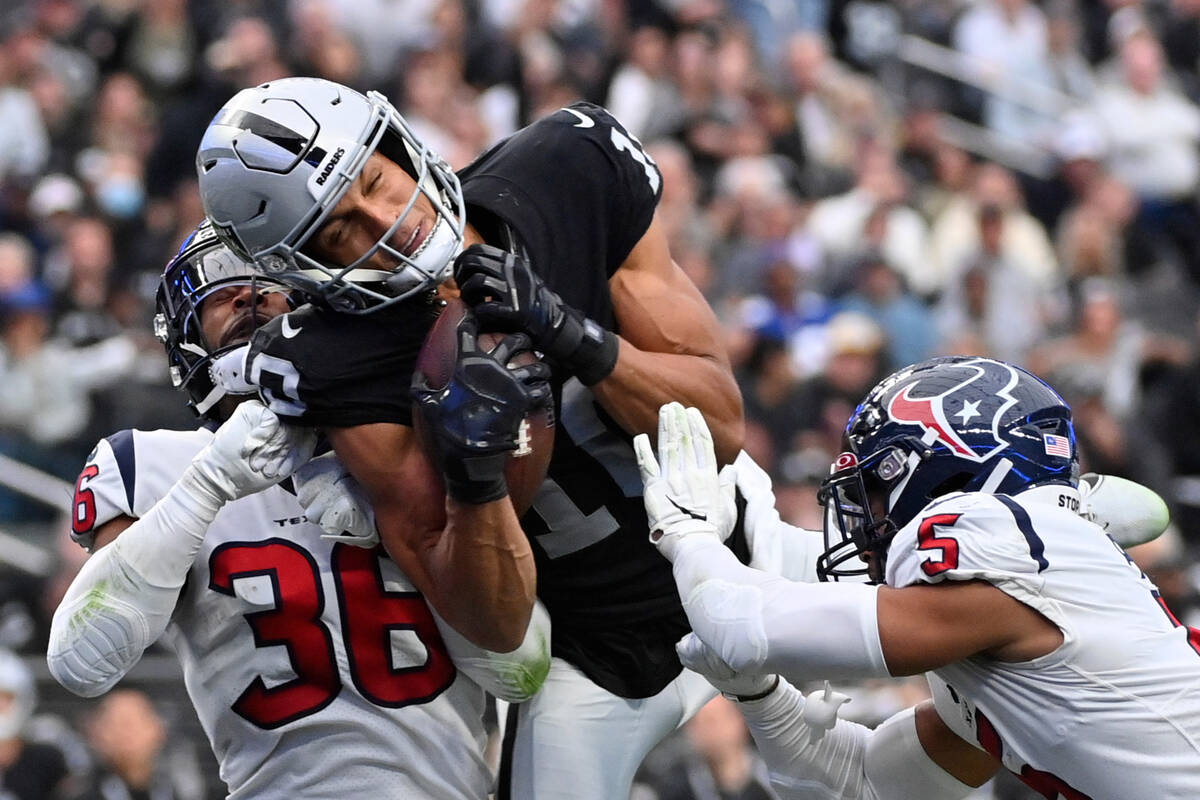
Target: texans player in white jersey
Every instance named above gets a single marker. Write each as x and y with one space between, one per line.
1048 652
316 669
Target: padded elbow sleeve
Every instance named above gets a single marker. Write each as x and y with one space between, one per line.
514 676
108 618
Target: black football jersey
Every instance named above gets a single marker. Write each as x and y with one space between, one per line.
573 192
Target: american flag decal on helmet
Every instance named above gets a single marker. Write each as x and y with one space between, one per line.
1057 445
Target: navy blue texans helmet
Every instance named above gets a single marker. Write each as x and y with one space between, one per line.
203 265
957 424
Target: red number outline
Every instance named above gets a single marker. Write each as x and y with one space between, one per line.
293 621
930 541
82 523
369 612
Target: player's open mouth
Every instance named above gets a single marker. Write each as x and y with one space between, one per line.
415 240
242 329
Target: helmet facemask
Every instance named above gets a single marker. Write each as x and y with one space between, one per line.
203 268
858 529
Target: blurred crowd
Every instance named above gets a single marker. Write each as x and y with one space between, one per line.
854 184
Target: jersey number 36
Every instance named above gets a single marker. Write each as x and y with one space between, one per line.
370 614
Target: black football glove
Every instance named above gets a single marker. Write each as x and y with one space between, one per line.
476 418
506 295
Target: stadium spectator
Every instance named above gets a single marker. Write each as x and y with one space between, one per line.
128 735
955 233
992 307
872 215
1153 133
28 770
1007 43
881 293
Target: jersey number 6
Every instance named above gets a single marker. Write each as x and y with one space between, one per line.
370 613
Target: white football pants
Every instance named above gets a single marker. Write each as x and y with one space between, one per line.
577 741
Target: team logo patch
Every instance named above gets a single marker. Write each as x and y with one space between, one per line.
845 461
957 414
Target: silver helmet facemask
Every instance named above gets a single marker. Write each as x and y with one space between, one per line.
276 161
204 265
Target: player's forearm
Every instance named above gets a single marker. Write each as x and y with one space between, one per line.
514 675
477 572
643 381
486 540
123 598
761 623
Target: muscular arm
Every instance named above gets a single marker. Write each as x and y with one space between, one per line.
472 563
670 349
760 623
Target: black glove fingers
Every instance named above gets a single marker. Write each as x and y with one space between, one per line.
479 288
511 345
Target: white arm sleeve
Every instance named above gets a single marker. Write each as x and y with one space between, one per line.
762 623
776 547
123 598
515 676
850 761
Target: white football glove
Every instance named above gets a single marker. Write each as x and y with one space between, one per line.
253 450
335 501
1130 513
682 489
699 657
725 508
755 486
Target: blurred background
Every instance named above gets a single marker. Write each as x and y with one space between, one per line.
853 184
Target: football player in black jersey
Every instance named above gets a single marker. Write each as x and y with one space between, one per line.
553 233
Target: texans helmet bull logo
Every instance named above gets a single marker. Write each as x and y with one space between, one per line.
964 416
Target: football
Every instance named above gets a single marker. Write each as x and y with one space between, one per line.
528 463
1130 513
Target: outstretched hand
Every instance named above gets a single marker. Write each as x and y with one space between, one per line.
682 489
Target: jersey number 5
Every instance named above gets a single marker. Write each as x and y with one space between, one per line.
370 614
928 540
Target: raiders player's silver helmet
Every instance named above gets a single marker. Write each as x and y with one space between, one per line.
277 158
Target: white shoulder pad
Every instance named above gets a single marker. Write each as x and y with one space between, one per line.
126 474
968 536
